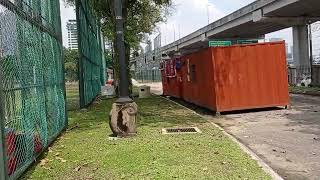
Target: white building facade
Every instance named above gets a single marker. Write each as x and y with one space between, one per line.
72 34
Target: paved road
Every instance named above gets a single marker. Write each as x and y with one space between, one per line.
288 140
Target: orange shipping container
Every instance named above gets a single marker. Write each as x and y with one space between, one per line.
232 78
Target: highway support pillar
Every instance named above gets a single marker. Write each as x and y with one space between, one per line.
301 46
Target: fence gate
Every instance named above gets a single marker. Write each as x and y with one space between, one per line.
91 50
32 92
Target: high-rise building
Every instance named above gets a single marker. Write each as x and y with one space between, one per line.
72 34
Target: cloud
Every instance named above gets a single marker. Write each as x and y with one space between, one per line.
189 16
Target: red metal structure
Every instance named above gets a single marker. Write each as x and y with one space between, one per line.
230 78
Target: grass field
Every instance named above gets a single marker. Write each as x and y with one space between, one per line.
72 91
305 90
85 151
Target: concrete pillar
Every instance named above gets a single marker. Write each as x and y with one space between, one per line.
301 46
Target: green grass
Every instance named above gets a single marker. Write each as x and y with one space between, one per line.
72 91
305 90
89 154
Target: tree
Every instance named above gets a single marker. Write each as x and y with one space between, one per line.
108 57
140 17
71 58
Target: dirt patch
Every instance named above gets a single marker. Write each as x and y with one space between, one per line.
288 140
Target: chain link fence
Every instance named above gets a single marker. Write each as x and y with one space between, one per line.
91 50
32 82
301 75
147 76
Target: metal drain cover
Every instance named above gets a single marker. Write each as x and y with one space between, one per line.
188 130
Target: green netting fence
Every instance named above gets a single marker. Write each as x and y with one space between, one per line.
91 50
32 92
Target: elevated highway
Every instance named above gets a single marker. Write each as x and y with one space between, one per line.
254 21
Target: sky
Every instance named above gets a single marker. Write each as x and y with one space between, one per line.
187 17
66 14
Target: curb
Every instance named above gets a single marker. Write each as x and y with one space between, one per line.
274 175
306 93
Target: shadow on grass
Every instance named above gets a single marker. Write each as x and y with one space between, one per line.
150 155
152 112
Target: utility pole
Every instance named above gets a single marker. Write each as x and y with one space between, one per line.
3 154
174 33
124 81
311 51
208 14
124 110
179 31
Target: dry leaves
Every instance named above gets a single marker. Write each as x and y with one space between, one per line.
77 168
61 159
50 150
44 162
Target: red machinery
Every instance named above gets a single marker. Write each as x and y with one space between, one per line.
12 161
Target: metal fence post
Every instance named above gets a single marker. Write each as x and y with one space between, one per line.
3 155
142 76
311 51
80 63
152 71
63 70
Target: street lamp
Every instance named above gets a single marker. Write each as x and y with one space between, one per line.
208 12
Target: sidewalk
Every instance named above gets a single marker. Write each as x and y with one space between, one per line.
288 140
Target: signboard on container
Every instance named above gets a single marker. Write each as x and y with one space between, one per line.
247 41
219 43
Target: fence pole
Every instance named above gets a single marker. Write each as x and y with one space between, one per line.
80 62
63 74
311 52
3 155
153 80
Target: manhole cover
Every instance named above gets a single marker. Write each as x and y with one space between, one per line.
189 130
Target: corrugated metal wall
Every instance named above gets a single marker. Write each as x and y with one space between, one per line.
199 87
233 78
251 76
